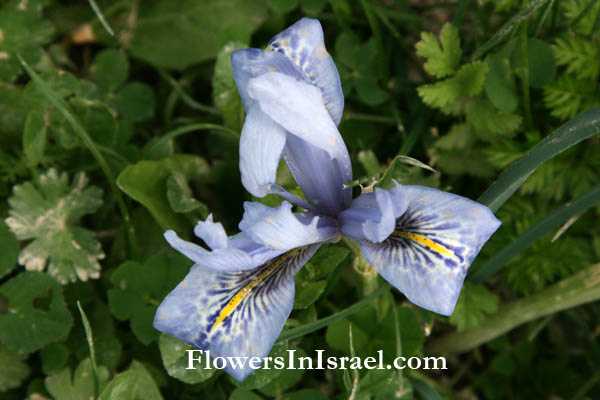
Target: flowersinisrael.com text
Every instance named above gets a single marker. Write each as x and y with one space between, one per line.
204 360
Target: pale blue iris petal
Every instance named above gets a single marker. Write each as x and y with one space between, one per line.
250 63
442 235
238 252
278 228
191 311
373 216
212 233
303 44
261 144
320 178
298 107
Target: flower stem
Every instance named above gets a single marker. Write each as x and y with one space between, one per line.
581 288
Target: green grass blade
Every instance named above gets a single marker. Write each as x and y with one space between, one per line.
506 29
549 223
89 143
582 127
226 132
101 18
187 99
90 340
321 323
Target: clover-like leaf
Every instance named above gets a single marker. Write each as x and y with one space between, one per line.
22 31
80 386
140 288
44 212
33 312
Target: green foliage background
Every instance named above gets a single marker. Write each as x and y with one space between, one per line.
120 119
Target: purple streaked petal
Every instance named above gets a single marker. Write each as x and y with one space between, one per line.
261 144
373 216
278 228
303 44
433 244
202 311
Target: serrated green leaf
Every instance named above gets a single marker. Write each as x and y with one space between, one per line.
488 122
9 250
80 386
443 57
138 289
135 101
173 28
14 369
581 13
43 211
225 94
468 81
474 302
579 55
37 313
110 69
568 96
146 182
24 32
460 136
175 360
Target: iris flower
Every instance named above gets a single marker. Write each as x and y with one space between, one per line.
238 295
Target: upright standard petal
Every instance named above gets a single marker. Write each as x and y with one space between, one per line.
278 228
233 314
315 150
250 63
261 145
298 107
303 43
372 216
433 244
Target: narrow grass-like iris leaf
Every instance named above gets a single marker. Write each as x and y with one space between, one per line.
321 323
506 29
89 143
581 288
582 127
549 223
191 128
101 17
90 340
